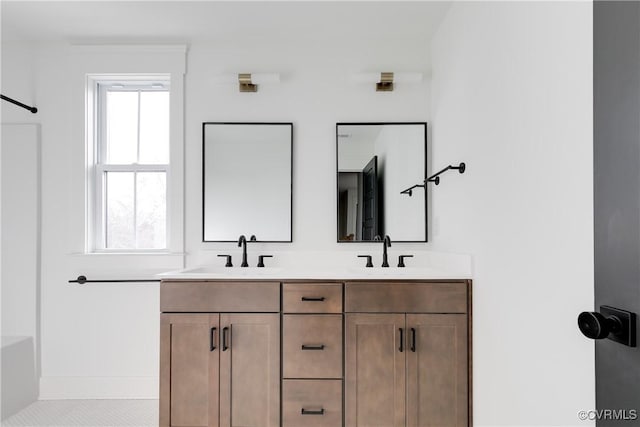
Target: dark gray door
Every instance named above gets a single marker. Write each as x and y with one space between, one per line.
617 201
370 200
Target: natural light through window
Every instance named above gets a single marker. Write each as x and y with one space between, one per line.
131 164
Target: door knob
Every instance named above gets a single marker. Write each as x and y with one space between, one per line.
615 324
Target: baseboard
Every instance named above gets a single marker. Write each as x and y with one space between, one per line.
52 388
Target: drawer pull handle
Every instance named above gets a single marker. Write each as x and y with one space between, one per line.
413 340
212 339
313 347
312 411
225 332
318 299
401 340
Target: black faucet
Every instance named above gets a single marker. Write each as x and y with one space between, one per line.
386 243
242 241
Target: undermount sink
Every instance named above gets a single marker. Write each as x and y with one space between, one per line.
392 271
214 271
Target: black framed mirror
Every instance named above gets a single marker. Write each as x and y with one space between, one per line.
247 181
375 162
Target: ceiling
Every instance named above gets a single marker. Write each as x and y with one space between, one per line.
223 23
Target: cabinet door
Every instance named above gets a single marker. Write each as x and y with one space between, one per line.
437 370
375 348
250 370
189 381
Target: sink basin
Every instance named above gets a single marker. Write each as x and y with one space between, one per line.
417 272
221 272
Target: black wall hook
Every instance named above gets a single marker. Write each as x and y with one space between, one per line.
19 104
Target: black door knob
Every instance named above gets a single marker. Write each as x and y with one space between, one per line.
596 326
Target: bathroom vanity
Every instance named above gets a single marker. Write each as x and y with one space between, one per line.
302 352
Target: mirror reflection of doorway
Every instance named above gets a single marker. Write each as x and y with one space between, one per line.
395 153
370 199
358 203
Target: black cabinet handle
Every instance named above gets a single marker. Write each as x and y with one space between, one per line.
312 411
413 340
401 340
312 347
212 339
319 299
225 332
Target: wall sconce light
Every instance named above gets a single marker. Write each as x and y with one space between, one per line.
384 80
248 82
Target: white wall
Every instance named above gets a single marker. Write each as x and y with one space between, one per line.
20 252
512 98
102 340
315 93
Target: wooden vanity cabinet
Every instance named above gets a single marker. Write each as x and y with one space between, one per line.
355 354
220 369
312 354
406 354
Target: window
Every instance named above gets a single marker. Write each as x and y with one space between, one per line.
131 164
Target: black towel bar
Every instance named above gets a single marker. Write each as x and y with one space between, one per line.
83 279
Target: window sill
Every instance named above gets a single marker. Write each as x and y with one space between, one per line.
131 253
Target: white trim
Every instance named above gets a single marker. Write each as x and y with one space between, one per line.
104 61
129 48
134 167
52 388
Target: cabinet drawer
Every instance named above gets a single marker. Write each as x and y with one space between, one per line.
312 297
312 346
208 297
311 403
406 297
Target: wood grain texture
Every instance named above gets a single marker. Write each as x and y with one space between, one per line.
374 371
165 371
292 294
470 351
250 371
299 330
189 375
419 297
213 297
437 371
311 395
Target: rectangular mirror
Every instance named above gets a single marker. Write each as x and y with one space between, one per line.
247 179
375 162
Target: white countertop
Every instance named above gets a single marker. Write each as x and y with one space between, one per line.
338 273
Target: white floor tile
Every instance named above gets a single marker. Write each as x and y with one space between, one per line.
87 413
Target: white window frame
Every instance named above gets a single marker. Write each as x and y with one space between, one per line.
90 62
97 187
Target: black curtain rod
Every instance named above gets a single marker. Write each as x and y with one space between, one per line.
19 104
83 279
